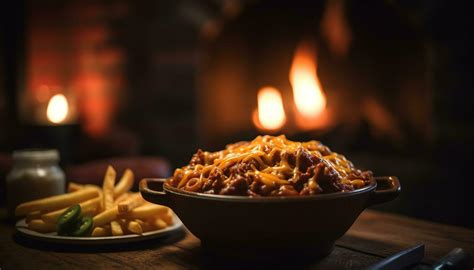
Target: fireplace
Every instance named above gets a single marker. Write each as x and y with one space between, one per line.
338 72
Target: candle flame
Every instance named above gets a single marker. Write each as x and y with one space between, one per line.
308 95
270 112
57 109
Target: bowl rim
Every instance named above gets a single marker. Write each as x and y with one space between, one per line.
273 199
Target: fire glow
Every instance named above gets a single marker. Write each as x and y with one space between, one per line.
309 98
270 114
309 107
58 108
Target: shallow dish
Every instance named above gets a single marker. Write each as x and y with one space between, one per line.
54 238
272 225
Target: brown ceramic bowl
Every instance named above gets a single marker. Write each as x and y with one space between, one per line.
301 224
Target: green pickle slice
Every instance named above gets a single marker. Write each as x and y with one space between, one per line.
68 219
83 227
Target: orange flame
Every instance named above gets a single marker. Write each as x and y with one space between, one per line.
270 114
57 109
308 95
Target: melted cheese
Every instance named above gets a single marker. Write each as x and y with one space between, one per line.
263 150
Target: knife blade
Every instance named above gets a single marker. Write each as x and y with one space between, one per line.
402 259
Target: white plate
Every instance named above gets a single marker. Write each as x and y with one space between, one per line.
22 228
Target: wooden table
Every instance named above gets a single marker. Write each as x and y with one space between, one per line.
374 236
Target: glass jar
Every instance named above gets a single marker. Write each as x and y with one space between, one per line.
35 174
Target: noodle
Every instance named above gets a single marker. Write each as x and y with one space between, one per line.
270 166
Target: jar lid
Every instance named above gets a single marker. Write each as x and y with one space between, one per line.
36 155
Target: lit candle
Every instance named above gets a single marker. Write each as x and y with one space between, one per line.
58 109
54 127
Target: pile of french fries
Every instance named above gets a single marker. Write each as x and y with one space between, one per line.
115 210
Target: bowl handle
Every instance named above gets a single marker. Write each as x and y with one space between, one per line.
388 188
152 190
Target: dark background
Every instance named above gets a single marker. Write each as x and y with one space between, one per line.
155 63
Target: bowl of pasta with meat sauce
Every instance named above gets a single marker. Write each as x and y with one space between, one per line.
270 195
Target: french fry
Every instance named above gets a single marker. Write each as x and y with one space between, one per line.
33 215
39 225
71 187
91 203
146 211
116 228
105 217
158 223
100 231
108 192
168 217
88 207
122 198
108 187
125 183
146 226
132 202
134 227
123 223
89 211
101 196
139 221
56 202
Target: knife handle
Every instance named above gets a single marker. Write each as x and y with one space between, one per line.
458 258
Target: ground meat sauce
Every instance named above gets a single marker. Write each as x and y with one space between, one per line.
270 166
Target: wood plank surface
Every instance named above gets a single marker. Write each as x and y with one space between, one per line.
382 234
374 236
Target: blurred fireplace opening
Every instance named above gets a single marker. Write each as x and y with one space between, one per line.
370 60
